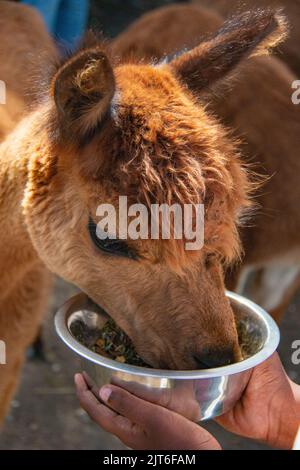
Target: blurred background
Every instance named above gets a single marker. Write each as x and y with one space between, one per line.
45 413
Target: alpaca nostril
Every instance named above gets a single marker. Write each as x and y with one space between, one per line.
214 357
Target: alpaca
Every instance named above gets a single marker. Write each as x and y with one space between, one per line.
25 46
257 106
23 40
104 129
289 51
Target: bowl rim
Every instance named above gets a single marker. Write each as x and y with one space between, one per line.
72 305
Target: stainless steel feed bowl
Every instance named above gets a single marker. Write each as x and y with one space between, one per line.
204 393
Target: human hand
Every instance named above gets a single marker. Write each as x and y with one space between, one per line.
268 410
140 424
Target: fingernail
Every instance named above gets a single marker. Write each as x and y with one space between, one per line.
105 393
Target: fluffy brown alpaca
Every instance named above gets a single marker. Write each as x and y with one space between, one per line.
105 129
290 50
257 106
25 46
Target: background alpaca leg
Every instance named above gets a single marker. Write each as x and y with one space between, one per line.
20 319
36 350
273 287
287 286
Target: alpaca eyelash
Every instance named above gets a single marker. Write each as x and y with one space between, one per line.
112 246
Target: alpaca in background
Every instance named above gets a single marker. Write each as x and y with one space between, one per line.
289 51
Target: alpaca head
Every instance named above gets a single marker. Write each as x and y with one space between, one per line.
142 131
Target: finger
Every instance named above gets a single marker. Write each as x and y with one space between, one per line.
135 409
157 426
162 428
86 397
107 418
80 383
89 402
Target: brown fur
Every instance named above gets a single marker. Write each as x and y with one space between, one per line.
289 52
25 281
255 119
145 132
25 49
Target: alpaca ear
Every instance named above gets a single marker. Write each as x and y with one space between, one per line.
83 89
251 33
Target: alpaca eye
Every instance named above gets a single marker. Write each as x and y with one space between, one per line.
112 246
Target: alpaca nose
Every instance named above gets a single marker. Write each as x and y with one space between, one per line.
215 357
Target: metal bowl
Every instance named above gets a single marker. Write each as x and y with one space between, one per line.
209 392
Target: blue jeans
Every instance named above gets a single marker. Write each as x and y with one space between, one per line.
66 20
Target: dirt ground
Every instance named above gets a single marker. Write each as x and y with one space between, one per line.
45 412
